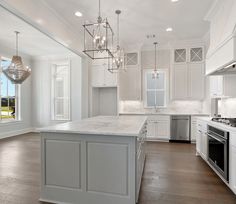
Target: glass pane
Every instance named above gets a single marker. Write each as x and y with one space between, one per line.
59 88
151 83
150 98
161 81
160 98
7 94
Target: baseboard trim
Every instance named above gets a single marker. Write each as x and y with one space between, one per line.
15 133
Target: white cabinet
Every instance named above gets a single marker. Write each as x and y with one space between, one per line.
196 81
216 86
222 86
101 77
180 81
193 129
201 139
232 168
158 128
188 74
130 84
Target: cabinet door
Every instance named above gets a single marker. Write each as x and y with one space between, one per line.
216 86
232 168
196 81
110 79
204 145
180 81
98 76
130 84
198 141
163 130
151 130
193 130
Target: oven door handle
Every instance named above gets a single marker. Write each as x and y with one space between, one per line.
219 140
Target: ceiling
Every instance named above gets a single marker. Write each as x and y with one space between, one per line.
140 17
31 41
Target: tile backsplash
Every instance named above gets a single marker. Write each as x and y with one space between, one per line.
173 107
227 108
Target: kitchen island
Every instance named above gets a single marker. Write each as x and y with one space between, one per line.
97 160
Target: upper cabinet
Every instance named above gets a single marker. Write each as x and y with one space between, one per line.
188 80
130 80
101 77
223 86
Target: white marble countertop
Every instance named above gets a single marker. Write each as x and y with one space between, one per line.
101 125
217 125
163 113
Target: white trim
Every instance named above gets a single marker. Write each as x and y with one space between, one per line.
166 88
52 107
15 133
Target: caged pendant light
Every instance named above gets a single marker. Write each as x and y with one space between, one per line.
98 38
17 72
118 62
155 74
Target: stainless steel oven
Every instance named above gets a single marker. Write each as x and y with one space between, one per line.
218 150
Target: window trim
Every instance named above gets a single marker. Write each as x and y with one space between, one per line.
166 87
52 92
17 100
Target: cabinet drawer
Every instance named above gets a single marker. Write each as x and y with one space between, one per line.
159 118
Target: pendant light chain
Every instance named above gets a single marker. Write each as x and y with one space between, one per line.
17 46
118 31
99 9
155 56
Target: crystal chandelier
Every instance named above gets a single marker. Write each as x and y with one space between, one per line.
118 54
98 38
155 73
17 72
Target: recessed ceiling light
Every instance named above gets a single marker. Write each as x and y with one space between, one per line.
174 0
169 29
78 14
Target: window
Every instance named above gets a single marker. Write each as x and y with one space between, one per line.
61 91
8 95
155 89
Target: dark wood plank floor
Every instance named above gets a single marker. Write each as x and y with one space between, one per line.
173 175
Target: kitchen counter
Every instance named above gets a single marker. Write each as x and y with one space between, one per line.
164 113
97 160
102 125
217 124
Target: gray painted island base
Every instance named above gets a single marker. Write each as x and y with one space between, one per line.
93 168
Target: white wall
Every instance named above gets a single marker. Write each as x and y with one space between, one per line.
41 92
23 126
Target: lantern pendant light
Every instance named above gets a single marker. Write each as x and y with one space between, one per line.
118 54
98 38
17 72
155 74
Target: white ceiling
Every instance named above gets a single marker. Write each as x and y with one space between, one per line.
141 17
31 41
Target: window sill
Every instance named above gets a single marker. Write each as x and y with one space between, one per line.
9 122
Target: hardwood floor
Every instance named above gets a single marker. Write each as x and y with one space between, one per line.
173 174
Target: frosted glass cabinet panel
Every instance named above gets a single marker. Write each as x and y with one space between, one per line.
155 89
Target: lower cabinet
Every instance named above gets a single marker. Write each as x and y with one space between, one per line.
193 129
201 139
140 158
232 168
158 128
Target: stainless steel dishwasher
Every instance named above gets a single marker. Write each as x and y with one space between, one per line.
180 128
